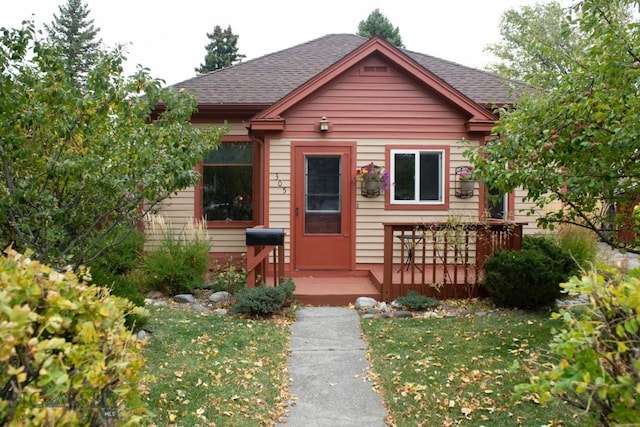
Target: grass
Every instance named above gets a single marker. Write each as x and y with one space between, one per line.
462 371
212 370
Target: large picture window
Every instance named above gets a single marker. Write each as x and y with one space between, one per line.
227 183
418 177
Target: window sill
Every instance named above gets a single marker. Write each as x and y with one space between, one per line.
441 206
229 224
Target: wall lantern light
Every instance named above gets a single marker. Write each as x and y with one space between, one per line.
324 124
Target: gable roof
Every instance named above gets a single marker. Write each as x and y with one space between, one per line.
267 79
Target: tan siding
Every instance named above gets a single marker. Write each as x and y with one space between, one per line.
521 213
370 213
178 210
280 190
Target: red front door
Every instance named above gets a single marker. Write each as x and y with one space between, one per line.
323 207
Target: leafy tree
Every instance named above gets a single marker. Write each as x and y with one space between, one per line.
76 36
222 51
575 143
377 24
81 161
538 44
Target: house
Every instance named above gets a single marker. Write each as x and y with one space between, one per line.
304 119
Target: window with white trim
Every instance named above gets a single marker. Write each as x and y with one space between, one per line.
417 176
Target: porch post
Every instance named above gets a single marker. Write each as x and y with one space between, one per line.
387 272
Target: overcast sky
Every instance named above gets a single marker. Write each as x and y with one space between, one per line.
168 36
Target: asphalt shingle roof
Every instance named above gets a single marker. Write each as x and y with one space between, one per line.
267 79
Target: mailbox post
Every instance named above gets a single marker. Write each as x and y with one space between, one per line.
260 243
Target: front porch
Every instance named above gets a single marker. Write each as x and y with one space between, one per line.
442 260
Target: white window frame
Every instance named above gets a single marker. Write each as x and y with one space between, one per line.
416 198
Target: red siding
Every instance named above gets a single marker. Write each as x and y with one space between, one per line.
374 104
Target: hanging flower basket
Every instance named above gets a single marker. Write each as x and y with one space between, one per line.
464 183
373 180
370 187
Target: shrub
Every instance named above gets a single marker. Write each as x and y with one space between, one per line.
66 356
121 286
561 262
521 279
594 358
581 243
229 277
125 254
414 301
287 287
180 262
263 300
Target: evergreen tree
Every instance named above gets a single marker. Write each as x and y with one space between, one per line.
222 51
75 36
377 24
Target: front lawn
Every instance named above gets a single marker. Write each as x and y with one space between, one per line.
462 371
215 370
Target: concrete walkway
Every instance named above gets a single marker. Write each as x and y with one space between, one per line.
327 367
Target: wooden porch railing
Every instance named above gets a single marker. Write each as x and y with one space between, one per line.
442 259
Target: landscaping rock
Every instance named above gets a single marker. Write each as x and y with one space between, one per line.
430 314
184 299
365 302
154 294
221 297
368 316
142 335
221 311
373 311
199 308
402 314
384 307
157 303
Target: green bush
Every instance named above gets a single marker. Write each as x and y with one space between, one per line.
179 264
414 301
580 243
594 361
66 356
263 300
521 279
287 287
125 254
561 262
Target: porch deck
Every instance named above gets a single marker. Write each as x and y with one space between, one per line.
342 288
436 259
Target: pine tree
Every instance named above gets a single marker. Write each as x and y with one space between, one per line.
75 35
377 24
222 52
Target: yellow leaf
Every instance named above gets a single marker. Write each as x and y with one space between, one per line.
178 374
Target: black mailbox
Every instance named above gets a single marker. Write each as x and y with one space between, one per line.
265 236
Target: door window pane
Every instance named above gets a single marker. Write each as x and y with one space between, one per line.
323 195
